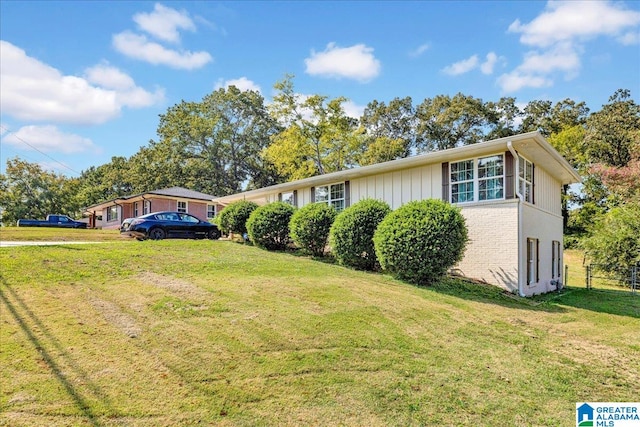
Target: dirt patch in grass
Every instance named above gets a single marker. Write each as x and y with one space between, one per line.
178 287
116 317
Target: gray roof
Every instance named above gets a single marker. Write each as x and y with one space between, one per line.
182 192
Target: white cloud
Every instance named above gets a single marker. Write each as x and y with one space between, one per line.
516 80
461 67
419 50
356 62
127 93
576 20
139 47
50 139
352 109
487 66
164 23
241 83
35 91
559 33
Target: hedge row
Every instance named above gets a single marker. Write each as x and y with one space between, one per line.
417 243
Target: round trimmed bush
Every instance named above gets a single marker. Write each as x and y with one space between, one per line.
233 218
419 241
351 236
310 227
268 226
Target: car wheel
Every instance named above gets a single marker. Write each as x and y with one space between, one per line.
213 234
157 234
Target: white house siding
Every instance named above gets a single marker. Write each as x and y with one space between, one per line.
547 192
492 251
543 221
399 187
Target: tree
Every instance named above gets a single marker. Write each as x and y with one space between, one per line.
215 145
549 119
388 131
445 122
28 191
503 116
318 136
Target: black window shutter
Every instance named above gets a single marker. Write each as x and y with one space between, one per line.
295 198
509 185
533 183
445 181
313 194
347 194
279 197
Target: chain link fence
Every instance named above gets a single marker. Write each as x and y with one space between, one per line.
596 277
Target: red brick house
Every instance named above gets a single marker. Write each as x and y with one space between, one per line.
111 213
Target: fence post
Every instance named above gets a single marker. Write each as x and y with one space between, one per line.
634 279
566 276
588 278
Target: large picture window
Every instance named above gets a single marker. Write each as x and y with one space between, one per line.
112 213
333 195
477 179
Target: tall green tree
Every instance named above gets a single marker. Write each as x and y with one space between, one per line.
28 191
388 131
444 122
318 136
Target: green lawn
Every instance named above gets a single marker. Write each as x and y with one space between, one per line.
181 332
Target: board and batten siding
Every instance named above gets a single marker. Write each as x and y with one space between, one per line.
547 192
399 187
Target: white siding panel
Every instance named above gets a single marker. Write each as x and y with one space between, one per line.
396 189
416 183
406 177
547 192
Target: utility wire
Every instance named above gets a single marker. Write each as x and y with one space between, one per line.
39 151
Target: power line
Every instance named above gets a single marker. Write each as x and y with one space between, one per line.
39 151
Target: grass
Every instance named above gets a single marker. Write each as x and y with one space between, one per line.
28 234
182 332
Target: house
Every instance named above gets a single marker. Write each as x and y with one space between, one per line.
509 191
179 199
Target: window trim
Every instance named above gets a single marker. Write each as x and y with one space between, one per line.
186 206
146 207
330 201
476 179
524 182
112 213
211 211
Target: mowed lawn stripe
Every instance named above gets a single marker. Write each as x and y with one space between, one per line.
183 332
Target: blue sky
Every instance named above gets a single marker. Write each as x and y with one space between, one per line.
82 81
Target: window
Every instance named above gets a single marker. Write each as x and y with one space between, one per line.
135 209
556 260
477 179
182 207
332 194
112 213
289 198
211 211
525 179
532 261
146 207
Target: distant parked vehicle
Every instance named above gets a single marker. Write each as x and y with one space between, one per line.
61 221
160 225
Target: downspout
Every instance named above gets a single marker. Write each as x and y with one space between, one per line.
516 174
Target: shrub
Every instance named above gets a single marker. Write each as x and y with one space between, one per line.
310 227
614 243
419 241
352 232
268 226
233 218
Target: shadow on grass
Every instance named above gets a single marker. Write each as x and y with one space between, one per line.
52 351
610 301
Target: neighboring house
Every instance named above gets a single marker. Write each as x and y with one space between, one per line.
179 199
509 191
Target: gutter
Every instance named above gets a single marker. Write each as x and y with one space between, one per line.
520 198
